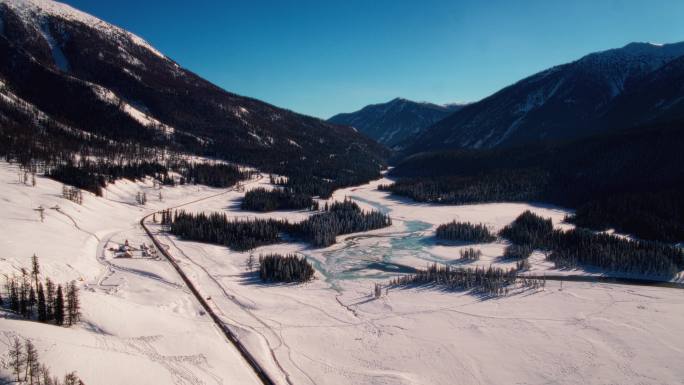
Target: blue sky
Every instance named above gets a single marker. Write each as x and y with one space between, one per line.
321 57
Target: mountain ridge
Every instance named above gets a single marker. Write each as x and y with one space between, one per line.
563 102
101 79
394 121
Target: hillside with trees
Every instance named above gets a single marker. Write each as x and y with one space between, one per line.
583 248
627 180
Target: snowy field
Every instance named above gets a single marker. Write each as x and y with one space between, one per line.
140 325
138 315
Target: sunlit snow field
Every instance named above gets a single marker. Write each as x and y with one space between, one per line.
138 314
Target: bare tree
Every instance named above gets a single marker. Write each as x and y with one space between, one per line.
31 375
16 358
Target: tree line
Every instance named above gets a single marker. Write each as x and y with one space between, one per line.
212 175
464 232
470 254
240 235
319 229
581 247
263 200
339 218
490 281
629 180
27 369
27 296
93 176
284 268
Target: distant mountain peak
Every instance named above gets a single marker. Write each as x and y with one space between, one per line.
566 101
394 121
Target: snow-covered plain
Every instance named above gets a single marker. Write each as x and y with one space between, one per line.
140 324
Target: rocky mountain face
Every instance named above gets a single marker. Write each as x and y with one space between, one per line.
393 122
91 78
637 84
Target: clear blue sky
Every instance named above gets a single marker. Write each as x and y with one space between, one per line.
321 57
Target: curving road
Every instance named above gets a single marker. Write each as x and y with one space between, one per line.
253 363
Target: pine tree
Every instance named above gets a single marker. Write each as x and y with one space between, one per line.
35 269
49 300
42 306
16 357
31 302
73 305
59 306
23 294
14 294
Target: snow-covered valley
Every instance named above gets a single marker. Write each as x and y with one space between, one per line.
141 324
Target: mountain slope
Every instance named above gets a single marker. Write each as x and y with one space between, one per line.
393 122
630 180
565 102
99 79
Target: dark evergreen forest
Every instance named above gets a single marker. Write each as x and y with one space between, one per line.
628 180
320 229
339 218
464 232
284 268
263 200
582 248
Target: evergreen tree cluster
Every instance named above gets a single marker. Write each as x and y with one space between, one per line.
581 247
219 229
94 176
519 252
284 268
307 183
78 177
26 296
528 229
491 281
339 218
657 215
263 200
26 368
320 229
464 232
470 254
578 247
214 175
73 194
510 186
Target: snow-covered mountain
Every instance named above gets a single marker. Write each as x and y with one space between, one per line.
393 122
567 101
81 73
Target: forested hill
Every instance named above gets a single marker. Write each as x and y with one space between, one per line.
69 81
630 180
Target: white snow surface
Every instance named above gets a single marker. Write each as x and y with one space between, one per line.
140 325
138 315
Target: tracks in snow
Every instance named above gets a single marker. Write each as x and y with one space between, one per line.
246 355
